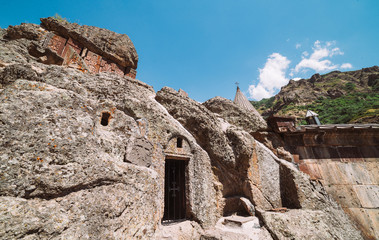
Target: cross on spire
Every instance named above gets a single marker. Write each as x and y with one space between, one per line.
237 83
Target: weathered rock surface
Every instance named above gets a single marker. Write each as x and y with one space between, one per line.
57 156
266 180
227 228
212 135
242 167
309 198
248 120
205 125
237 227
25 30
82 156
313 224
179 231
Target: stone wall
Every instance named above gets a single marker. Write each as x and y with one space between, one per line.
345 159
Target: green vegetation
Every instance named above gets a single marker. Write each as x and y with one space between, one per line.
374 84
343 109
265 103
331 83
369 114
59 18
349 86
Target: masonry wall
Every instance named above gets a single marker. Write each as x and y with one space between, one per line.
346 162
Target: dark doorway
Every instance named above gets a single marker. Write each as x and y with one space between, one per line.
175 191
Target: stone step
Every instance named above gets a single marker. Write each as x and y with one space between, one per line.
239 227
237 220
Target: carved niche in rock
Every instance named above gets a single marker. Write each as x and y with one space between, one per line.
76 56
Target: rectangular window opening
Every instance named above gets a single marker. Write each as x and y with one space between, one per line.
179 143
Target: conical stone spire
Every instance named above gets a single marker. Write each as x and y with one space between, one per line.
242 101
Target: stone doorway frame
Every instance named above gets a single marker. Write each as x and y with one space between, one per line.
178 148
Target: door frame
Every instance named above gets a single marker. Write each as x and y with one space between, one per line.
185 160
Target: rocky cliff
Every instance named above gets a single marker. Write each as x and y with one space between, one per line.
83 150
338 97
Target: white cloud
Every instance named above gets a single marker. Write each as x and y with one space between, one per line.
317 60
271 77
346 66
258 92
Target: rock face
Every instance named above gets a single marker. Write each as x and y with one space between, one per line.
82 156
58 159
250 121
63 155
248 168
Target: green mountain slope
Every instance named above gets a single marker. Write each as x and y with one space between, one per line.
338 97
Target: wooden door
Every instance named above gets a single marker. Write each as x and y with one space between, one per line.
175 192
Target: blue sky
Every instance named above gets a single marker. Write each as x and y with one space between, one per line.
205 46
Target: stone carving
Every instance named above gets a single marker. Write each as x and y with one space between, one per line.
116 47
92 54
70 51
